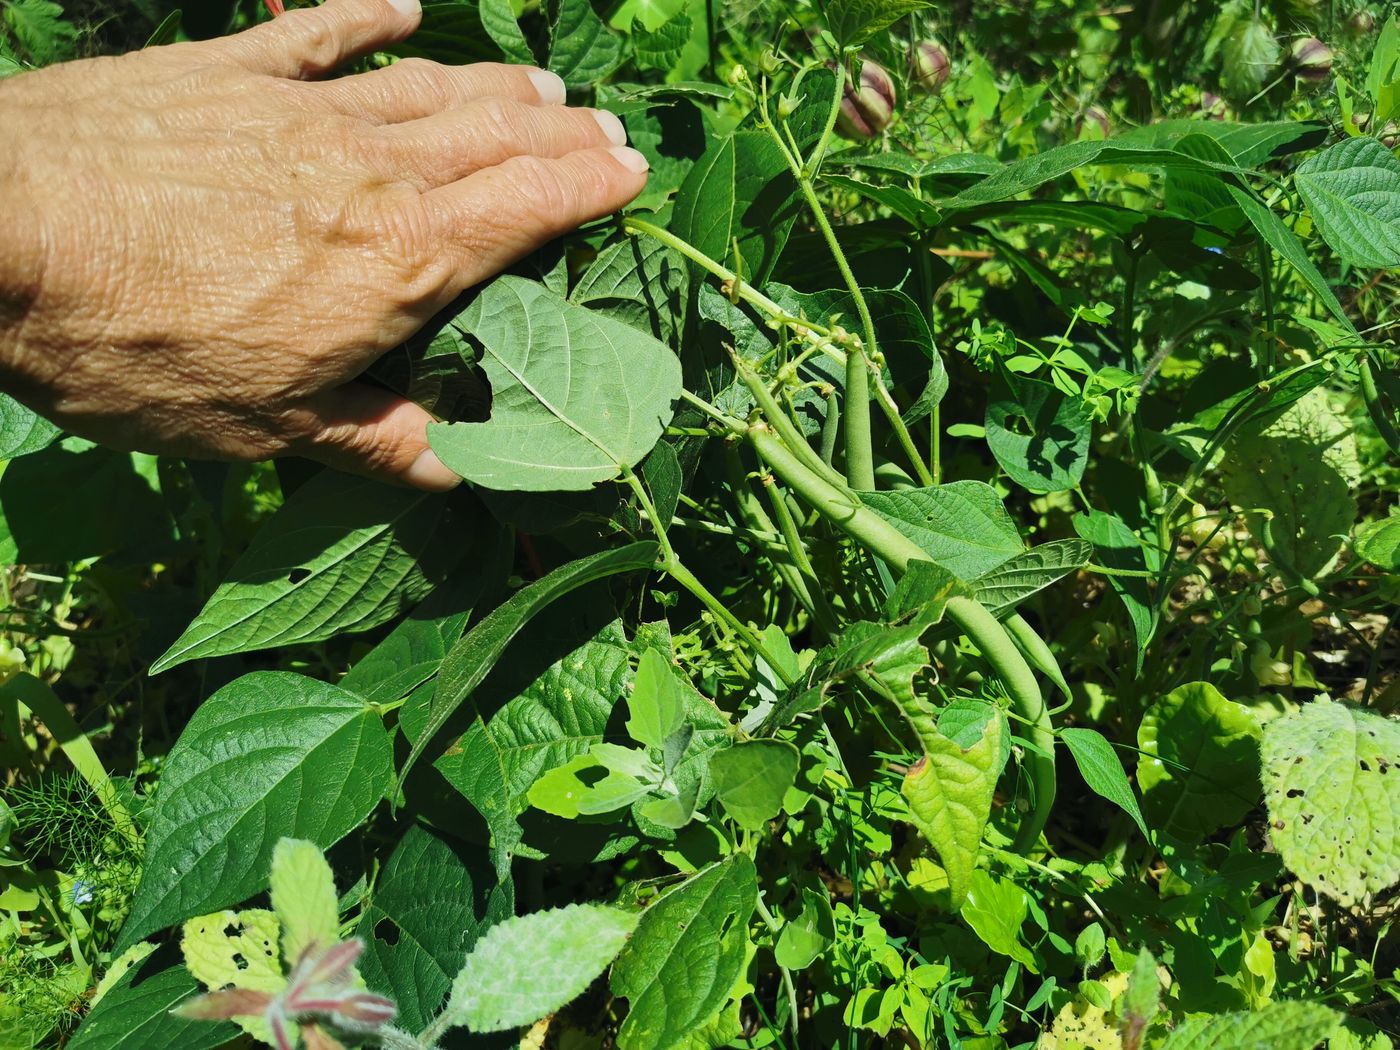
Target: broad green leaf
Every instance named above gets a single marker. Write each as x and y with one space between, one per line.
1249 56
751 779
1200 764
740 188
803 939
1249 144
1334 813
1277 1026
893 656
963 526
530 966
582 49
479 649
853 22
995 908
303 898
21 430
1016 579
498 19
688 951
432 901
949 792
576 397
657 703
661 48
917 212
662 472
135 1014
1119 548
1352 190
271 754
342 554
1284 241
637 280
583 785
1378 542
1038 434
1102 770
922 593
449 32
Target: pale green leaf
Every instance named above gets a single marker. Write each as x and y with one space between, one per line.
583 785
751 779
1249 56
234 948
303 898
342 554
1334 811
1276 1026
1378 542
686 955
962 526
1199 770
269 755
995 908
803 939
949 792
657 703
1352 190
576 397
530 966
1102 770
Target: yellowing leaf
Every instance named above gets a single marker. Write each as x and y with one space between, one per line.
236 948
303 897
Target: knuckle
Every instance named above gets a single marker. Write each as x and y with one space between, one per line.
424 80
316 37
502 118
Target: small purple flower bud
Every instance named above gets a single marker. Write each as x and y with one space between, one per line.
929 66
1311 58
868 107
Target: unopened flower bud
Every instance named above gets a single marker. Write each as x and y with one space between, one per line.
1311 59
738 75
1360 24
929 65
868 106
1267 670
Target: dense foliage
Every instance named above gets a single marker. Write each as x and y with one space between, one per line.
927 577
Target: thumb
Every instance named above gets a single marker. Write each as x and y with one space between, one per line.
312 41
366 430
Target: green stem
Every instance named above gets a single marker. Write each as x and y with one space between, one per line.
782 422
821 611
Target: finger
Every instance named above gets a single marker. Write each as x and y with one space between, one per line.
312 41
366 430
498 215
459 142
413 88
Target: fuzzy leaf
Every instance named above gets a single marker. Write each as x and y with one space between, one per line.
528 967
303 898
1353 192
1334 809
1277 1026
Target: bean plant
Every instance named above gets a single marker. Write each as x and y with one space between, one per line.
926 575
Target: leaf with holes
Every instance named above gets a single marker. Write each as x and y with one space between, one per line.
576 397
1330 773
342 554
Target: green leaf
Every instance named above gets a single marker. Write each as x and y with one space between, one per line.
1119 548
1249 56
803 939
303 897
268 755
661 48
751 779
638 280
1016 579
432 901
530 966
662 472
342 554
582 49
584 785
449 32
40 29
22 431
1334 813
740 188
917 212
1249 144
1200 764
686 955
576 397
1276 1026
1284 241
135 1015
1039 435
995 908
1102 770
853 22
949 792
657 703
498 19
479 649
1378 542
963 526
1141 999
1353 192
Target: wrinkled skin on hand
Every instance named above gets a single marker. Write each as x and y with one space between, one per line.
205 243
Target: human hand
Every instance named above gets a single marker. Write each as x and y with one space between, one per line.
205 245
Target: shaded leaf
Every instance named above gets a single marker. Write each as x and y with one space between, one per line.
1102 770
1039 435
1352 190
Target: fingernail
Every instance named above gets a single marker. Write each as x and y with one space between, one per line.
407 8
612 127
630 159
428 472
549 85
